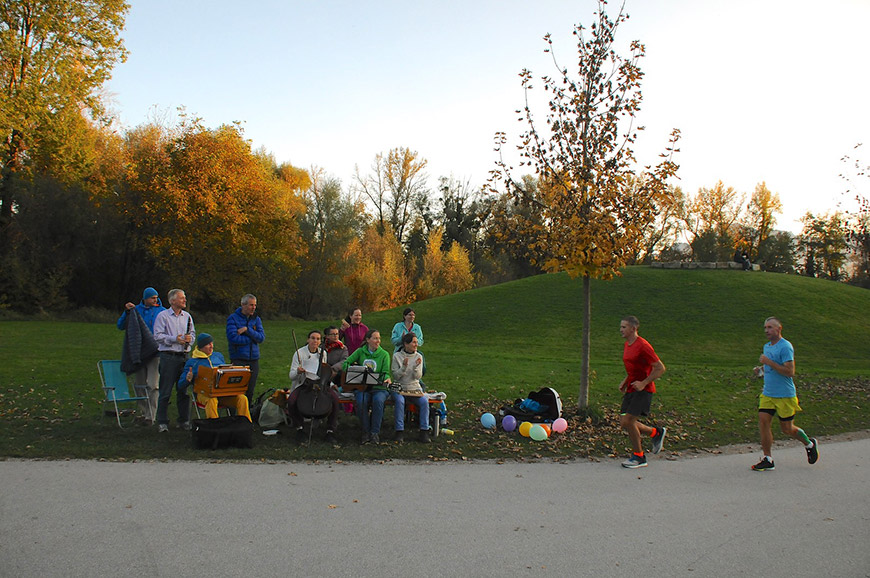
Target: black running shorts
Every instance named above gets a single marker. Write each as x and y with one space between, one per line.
636 403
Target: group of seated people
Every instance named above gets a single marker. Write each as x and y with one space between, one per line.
398 380
321 364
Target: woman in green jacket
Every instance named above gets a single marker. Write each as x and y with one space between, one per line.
376 359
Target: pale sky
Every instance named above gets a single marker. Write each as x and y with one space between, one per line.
772 91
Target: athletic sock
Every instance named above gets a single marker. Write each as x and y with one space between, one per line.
640 455
804 437
655 432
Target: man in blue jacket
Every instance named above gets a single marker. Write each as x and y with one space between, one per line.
146 379
245 333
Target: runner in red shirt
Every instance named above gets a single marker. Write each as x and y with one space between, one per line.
642 367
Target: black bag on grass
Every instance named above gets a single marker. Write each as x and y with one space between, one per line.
543 405
234 431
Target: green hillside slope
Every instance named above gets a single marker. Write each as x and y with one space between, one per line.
488 346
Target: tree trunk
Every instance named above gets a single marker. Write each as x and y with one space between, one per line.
583 396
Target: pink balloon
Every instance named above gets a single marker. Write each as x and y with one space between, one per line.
560 425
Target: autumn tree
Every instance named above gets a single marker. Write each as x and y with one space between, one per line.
712 219
54 56
510 236
664 231
444 271
823 245
377 273
214 214
759 219
584 160
396 180
330 223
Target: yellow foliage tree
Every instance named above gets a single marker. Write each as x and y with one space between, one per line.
444 272
377 274
215 215
760 218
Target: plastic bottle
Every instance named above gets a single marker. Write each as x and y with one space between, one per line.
447 432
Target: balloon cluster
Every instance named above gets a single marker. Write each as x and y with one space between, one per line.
537 431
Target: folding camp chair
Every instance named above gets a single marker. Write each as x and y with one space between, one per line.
117 389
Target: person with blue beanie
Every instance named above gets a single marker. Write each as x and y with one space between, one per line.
145 380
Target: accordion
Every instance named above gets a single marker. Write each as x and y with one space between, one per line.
222 380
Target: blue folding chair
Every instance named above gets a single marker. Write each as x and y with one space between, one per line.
116 389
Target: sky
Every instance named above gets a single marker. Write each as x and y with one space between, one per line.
767 91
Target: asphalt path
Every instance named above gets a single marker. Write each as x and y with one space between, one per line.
700 516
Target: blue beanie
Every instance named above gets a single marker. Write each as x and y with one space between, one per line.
149 292
203 339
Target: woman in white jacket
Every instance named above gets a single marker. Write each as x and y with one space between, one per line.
407 369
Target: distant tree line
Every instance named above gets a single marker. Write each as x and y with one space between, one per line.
91 214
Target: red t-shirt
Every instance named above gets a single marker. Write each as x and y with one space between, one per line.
638 359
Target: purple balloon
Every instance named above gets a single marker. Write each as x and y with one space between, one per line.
509 423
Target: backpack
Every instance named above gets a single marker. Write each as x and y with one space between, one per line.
543 405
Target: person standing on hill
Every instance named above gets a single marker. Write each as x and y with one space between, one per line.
404 327
642 367
779 395
353 331
245 333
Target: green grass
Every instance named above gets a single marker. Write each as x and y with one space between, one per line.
489 346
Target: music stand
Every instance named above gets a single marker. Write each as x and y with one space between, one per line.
362 378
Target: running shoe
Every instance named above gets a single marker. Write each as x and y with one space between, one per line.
634 461
659 439
813 451
766 464
162 428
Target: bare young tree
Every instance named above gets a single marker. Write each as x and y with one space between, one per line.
396 180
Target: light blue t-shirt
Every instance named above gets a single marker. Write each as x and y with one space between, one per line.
775 383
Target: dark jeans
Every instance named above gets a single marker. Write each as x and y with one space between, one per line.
170 371
254 364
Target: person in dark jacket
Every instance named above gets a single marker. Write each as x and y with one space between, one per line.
245 333
145 380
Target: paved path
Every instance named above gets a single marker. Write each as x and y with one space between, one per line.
704 516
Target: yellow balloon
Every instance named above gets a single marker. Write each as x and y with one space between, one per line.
525 427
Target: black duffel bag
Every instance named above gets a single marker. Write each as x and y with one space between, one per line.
234 431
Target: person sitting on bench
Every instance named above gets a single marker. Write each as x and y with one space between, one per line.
407 369
306 372
205 355
371 355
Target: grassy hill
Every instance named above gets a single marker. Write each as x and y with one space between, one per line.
488 346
